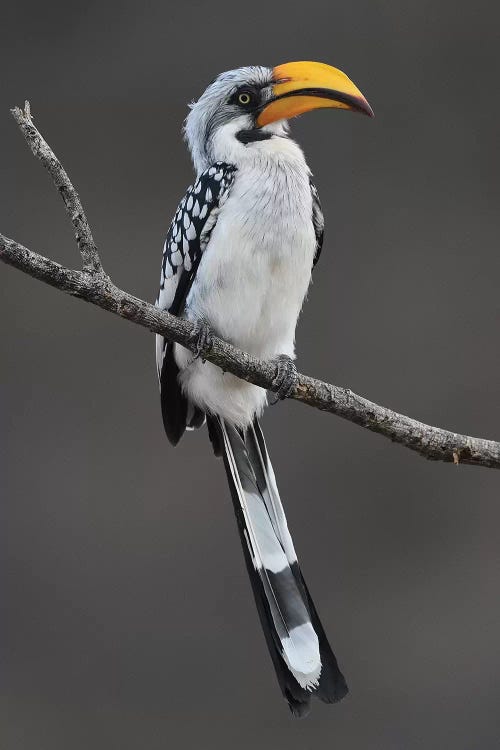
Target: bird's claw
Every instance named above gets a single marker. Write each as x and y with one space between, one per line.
202 339
285 379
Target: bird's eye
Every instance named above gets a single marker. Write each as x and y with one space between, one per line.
244 98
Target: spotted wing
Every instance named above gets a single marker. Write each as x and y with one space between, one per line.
187 237
318 222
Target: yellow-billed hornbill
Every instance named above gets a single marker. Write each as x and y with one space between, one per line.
237 261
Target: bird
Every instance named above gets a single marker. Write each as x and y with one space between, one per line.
237 263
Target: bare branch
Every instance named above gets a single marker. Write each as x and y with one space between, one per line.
92 285
41 149
431 442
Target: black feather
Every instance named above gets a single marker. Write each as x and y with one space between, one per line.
194 210
318 222
215 435
173 402
298 699
332 686
174 405
198 418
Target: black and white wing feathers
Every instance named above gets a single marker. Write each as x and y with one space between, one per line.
190 231
318 222
187 237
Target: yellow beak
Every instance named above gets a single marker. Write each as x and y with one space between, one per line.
302 86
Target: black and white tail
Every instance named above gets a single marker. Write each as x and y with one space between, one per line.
304 662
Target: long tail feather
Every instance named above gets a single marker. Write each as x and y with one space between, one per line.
332 685
304 662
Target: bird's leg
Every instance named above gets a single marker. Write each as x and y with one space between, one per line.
201 338
286 377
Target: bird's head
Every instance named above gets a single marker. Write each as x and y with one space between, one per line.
250 105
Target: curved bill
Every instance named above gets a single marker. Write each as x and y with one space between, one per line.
302 86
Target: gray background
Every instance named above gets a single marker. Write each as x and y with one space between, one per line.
130 620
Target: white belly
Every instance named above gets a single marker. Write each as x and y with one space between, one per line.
251 283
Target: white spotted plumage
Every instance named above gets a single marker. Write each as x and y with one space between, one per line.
186 241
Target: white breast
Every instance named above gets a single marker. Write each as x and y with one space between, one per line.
253 275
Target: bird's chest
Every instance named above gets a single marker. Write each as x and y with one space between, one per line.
256 269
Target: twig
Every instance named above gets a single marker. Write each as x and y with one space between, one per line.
41 149
92 285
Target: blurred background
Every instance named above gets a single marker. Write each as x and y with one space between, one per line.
130 619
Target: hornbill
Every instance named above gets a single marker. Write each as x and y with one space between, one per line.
237 262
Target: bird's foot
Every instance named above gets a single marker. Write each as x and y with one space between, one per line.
202 339
285 379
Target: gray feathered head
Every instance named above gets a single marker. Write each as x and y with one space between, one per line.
252 104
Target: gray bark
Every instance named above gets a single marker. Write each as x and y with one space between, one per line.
93 285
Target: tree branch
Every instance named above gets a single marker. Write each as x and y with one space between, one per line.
92 285
74 209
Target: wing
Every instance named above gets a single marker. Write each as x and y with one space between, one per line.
187 237
318 222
